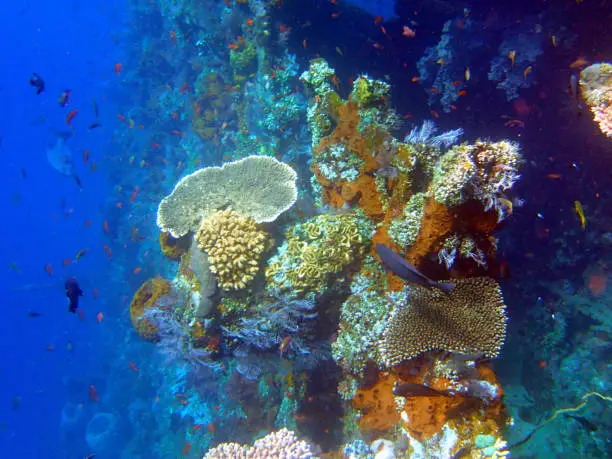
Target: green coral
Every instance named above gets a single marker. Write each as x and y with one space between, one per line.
314 253
368 92
243 59
318 77
405 229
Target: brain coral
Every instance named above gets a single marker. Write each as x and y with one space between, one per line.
258 186
234 246
145 298
282 444
471 319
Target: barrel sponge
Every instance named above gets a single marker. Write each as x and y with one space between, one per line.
234 246
258 186
143 300
471 319
102 432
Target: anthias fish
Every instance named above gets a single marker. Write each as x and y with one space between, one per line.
406 271
73 292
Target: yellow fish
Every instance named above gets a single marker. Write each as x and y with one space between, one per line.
512 56
554 40
467 74
580 213
526 72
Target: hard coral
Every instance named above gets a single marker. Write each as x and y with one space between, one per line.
143 300
171 247
258 186
234 246
471 319
282 444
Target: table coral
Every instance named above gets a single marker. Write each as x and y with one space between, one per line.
143 300
234 246
258 186
471 319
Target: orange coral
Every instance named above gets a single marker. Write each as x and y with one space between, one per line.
377 405
146 296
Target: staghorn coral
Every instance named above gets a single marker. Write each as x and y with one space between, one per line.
282 444
234 247
313 252
471 319
596 91
258 186
143 300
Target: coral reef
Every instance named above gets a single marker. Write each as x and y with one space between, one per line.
143 300
171 247
282 444
314 253
258 186
471 319
234 246
596 90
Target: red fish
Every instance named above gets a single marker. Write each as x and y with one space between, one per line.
93 393
184 88
71 116
155 145
463 92
100 317
197 427
173 37
86 155
87 223
105 226
67 262
377 19
134 194
186 449
211 428
96 293
137 270
133 367
118 67
49 269
108 251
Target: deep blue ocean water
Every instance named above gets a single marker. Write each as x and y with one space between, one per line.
558 345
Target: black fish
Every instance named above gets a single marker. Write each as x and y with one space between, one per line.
77 180
406 271
38 83
34 314
417 390
73 292
94 125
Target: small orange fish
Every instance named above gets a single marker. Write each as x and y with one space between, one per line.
178 133
93 393
137 270
105 226
335 15
87 223
377 45
284 344
172 36
197 427
542 364
414 79
304 43
118 67
95 293
211 428
526 72
133 367
108 251
186 449
134 194
408 32
94 165
512 57
435 114
227 3
49 269
377 19
71 116
100 317
463 92
554 176
407 116
121 117
67 262
86 155
249 22
155 145
453 107
119 205
184 88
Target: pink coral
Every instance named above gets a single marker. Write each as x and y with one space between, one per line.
603 116
282 444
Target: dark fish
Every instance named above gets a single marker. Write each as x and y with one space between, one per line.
95 108
34 314
77 180
406 271
73 292
94 125
417 390
584 422
574 91
64 98
38 83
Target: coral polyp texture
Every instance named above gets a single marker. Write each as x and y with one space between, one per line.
144 300
282 444
596 91
313 253
471 319
258 186
234 246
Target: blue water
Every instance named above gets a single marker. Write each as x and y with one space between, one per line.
137 63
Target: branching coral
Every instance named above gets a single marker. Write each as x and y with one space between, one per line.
471 319
314 252
234 246
258 186
282 444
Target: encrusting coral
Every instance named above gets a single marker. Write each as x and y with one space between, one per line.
258 186
234 246
282 444
143 300
471 319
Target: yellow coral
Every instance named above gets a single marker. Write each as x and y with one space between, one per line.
234 246
144 299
